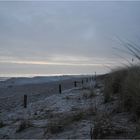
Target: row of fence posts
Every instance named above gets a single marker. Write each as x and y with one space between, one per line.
60 87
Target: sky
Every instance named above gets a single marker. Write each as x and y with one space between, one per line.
65 37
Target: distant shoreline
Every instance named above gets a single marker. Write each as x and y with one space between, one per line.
3 78
18 81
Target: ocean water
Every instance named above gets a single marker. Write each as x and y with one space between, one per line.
4 78
35 79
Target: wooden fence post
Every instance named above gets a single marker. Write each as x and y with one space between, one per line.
75 85
25 101
82 82
60 89
95 76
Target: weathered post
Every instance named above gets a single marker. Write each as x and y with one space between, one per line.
82 82
60 89
91 133
75 84
95 76
25 101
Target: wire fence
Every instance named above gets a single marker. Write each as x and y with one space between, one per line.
41 91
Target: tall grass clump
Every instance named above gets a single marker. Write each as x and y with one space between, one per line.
114 83
125 83
131 90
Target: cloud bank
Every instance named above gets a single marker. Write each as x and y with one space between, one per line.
64 37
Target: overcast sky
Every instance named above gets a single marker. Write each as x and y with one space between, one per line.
41 38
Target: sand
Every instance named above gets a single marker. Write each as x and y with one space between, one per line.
73 114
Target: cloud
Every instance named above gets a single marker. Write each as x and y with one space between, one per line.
61 32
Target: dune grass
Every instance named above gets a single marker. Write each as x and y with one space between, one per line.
125 82
60 121
23 125
89 95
